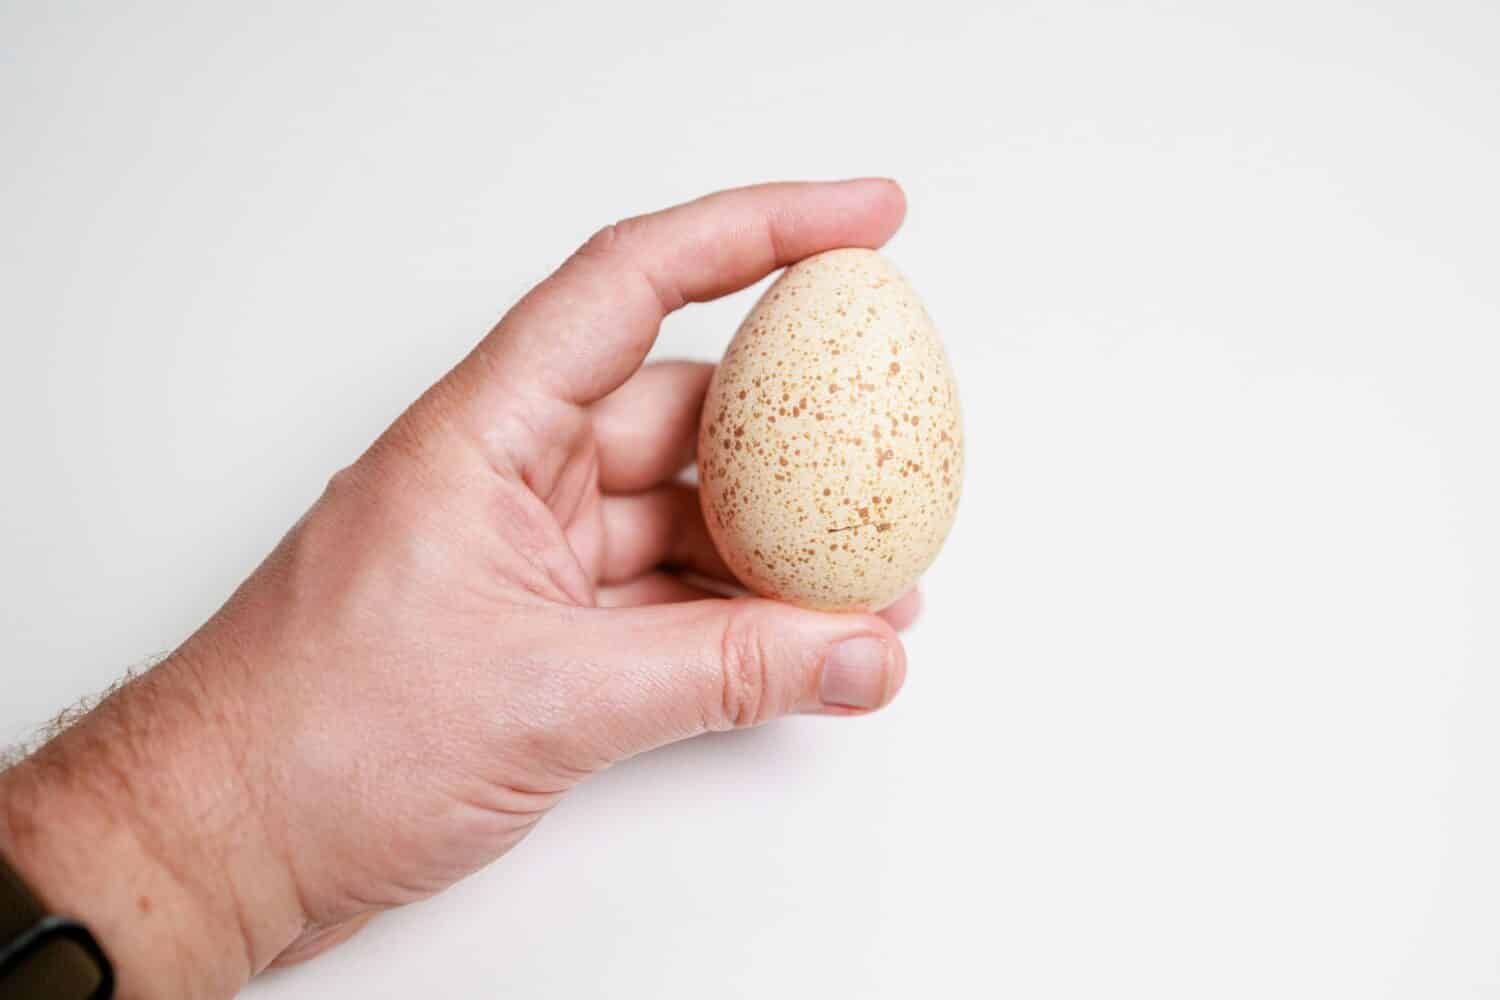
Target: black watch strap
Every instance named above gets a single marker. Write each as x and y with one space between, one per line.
46 957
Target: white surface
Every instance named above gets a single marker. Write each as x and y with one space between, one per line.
1205 702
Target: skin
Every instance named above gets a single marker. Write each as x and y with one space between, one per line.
494 602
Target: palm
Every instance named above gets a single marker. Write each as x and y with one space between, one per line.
604 510
579 509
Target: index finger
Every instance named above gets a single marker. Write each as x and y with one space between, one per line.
582 332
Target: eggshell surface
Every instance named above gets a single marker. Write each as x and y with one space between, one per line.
830 454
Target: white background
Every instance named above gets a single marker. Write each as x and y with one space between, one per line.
1207 699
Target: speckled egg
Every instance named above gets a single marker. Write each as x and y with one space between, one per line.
830 456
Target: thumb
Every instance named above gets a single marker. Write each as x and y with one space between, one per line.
678 670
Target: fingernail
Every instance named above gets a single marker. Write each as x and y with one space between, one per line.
854 674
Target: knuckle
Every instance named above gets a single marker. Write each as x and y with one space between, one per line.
624 249
601 243
347 483
610 239
745 667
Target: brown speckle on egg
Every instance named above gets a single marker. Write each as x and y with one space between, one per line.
882 516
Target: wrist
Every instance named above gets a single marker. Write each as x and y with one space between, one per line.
137 822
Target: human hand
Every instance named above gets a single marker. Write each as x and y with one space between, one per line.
479 613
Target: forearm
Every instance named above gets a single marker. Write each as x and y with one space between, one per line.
137 821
